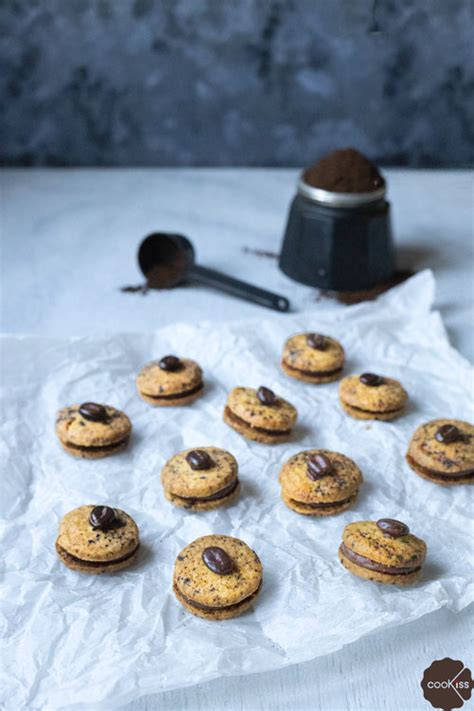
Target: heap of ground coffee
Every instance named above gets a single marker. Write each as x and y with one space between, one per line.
344 171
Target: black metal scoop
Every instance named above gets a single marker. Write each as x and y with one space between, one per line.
167 260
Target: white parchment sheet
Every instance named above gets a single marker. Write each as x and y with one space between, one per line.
71 640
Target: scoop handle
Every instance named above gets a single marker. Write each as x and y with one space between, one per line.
242 289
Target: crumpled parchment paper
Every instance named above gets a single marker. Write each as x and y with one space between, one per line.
71 640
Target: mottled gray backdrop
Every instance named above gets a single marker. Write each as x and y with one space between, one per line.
235 82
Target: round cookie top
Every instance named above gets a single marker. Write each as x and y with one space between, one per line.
320 476
156 381
182 478
245 403
313 353
197 582
385 396
366 539
78 537
444 445
76 428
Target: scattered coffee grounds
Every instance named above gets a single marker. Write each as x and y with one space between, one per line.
138 288
344 171
260 253
357 297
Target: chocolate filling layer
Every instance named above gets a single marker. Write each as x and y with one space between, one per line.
239 421
326 505
93 563
200 606
452 476
313 373
175 396
374 412
364 562
213 497
103 448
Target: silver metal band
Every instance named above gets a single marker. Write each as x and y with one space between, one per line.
330 199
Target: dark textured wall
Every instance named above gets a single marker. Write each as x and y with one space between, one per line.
235 82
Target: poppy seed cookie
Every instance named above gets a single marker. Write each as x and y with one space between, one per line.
442 451
170 381
97 539
372 397
92 431
318 482
384 552
260 415
313 358
217 577
201 479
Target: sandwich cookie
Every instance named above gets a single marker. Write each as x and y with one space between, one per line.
372 397
97 539
217 577
92 431
260 415
170 381
318 482
384 551
442 451
313 358
201 479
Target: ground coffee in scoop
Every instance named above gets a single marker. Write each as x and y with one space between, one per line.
163 275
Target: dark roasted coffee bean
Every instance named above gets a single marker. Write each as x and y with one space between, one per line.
102 517
266 396
448 433
170 362
316 341
218 560
371 379
199 459
93 411
317 466
393 528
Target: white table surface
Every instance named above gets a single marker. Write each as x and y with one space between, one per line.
69 240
